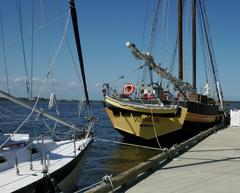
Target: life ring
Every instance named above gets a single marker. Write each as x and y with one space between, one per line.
128 89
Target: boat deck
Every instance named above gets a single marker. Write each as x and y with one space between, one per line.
60 156
210 166
154 104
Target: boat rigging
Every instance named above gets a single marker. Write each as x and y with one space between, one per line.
43 157
194 108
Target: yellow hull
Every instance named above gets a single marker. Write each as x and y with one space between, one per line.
144 122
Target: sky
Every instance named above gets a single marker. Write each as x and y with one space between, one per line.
105 26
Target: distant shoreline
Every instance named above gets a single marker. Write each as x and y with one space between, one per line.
46 99
231 101
75 100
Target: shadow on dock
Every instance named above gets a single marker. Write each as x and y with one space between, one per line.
130 178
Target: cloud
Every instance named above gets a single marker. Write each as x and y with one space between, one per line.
18 85
67 86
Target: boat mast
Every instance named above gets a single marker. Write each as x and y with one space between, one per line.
180 46
194 45
79 49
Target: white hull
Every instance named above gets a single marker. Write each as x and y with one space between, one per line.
62 170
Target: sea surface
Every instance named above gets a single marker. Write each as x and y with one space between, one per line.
101 158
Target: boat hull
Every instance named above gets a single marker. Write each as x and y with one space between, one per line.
201 114
62 180
146 123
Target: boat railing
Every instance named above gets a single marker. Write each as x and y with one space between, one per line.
144 99
201 98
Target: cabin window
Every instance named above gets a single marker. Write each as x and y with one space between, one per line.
136 114
34 151
126 114
116 113
2 159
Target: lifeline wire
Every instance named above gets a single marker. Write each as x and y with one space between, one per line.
23 45
47 76
4 53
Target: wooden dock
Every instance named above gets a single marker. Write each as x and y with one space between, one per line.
213 166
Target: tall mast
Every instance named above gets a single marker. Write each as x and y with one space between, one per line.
194 45
79 49
180 48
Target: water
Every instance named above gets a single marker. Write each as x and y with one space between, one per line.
102 157
109 158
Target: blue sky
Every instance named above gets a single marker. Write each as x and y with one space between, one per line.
105 27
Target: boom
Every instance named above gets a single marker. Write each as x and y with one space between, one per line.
182 86
38 111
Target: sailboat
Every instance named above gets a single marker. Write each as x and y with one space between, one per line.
151 110
203 110
45 162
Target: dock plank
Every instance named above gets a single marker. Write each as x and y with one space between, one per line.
211 166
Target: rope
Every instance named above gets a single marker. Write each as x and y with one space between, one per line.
210 48
206 69
209 37
69 47
44 20
52 131
16 130
107 179
23 46
88 187
54 183
32 46
145 24
164 37
36 30
4 53
154 128
154 26
123 143
113 82
44 83
81 106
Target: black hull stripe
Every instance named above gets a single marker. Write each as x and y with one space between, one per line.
117 110
200 108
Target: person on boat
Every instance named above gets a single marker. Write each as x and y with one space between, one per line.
148 94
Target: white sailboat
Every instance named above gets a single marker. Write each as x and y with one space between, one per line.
39 163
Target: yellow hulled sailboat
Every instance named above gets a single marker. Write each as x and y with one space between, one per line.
163 106
144 120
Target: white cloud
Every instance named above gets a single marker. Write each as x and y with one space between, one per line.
18 85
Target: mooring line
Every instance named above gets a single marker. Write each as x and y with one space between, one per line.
123 143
